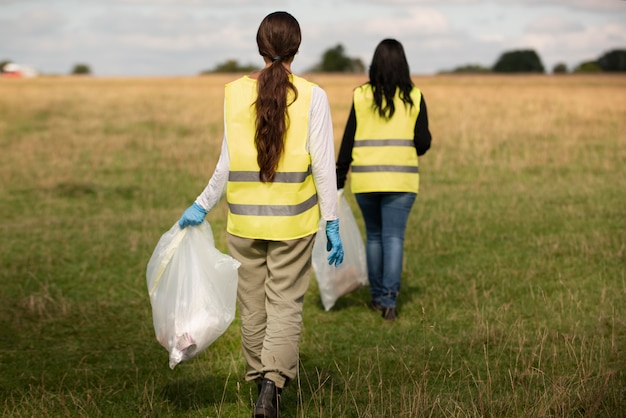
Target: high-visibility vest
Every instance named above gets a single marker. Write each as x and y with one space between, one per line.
384 158
285 208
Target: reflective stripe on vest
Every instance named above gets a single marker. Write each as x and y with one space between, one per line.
287 207
384 158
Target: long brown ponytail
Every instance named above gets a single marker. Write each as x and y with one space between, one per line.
278 39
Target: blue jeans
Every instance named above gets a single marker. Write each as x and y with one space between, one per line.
385 216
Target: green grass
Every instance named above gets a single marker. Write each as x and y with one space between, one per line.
512 299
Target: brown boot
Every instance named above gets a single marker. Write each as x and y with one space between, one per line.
269 400
390 314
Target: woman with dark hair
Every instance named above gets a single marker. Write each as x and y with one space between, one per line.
277 165
387 130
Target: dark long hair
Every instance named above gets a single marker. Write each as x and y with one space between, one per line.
388 73
278 39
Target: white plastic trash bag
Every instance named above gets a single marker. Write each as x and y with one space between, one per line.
193 291
334 282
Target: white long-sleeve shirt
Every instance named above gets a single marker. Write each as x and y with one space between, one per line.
320 144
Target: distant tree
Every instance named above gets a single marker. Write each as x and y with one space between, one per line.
3 63
231 66
559 68
520 61
588 67
81 69
334 60
613 61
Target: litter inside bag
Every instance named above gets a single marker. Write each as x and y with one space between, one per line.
334 282
193 290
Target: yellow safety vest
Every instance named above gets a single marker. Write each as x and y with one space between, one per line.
287 207
384 158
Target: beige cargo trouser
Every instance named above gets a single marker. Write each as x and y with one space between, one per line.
273 278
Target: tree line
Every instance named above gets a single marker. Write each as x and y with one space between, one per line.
528 61
335 60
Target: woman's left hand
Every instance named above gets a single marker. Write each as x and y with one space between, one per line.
333 243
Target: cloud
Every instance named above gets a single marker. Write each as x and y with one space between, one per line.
182 42
588 5
554 25
575 47
160 37
419 29
178 3
37 22
415 21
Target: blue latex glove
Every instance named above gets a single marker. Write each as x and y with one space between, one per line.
193 215
333 243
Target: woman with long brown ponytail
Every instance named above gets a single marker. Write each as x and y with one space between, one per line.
277 165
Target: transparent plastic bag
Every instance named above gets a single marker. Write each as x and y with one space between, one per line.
334 282
193 290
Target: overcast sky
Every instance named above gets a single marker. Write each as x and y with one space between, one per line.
184 37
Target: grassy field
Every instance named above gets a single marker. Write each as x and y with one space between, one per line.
512 299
